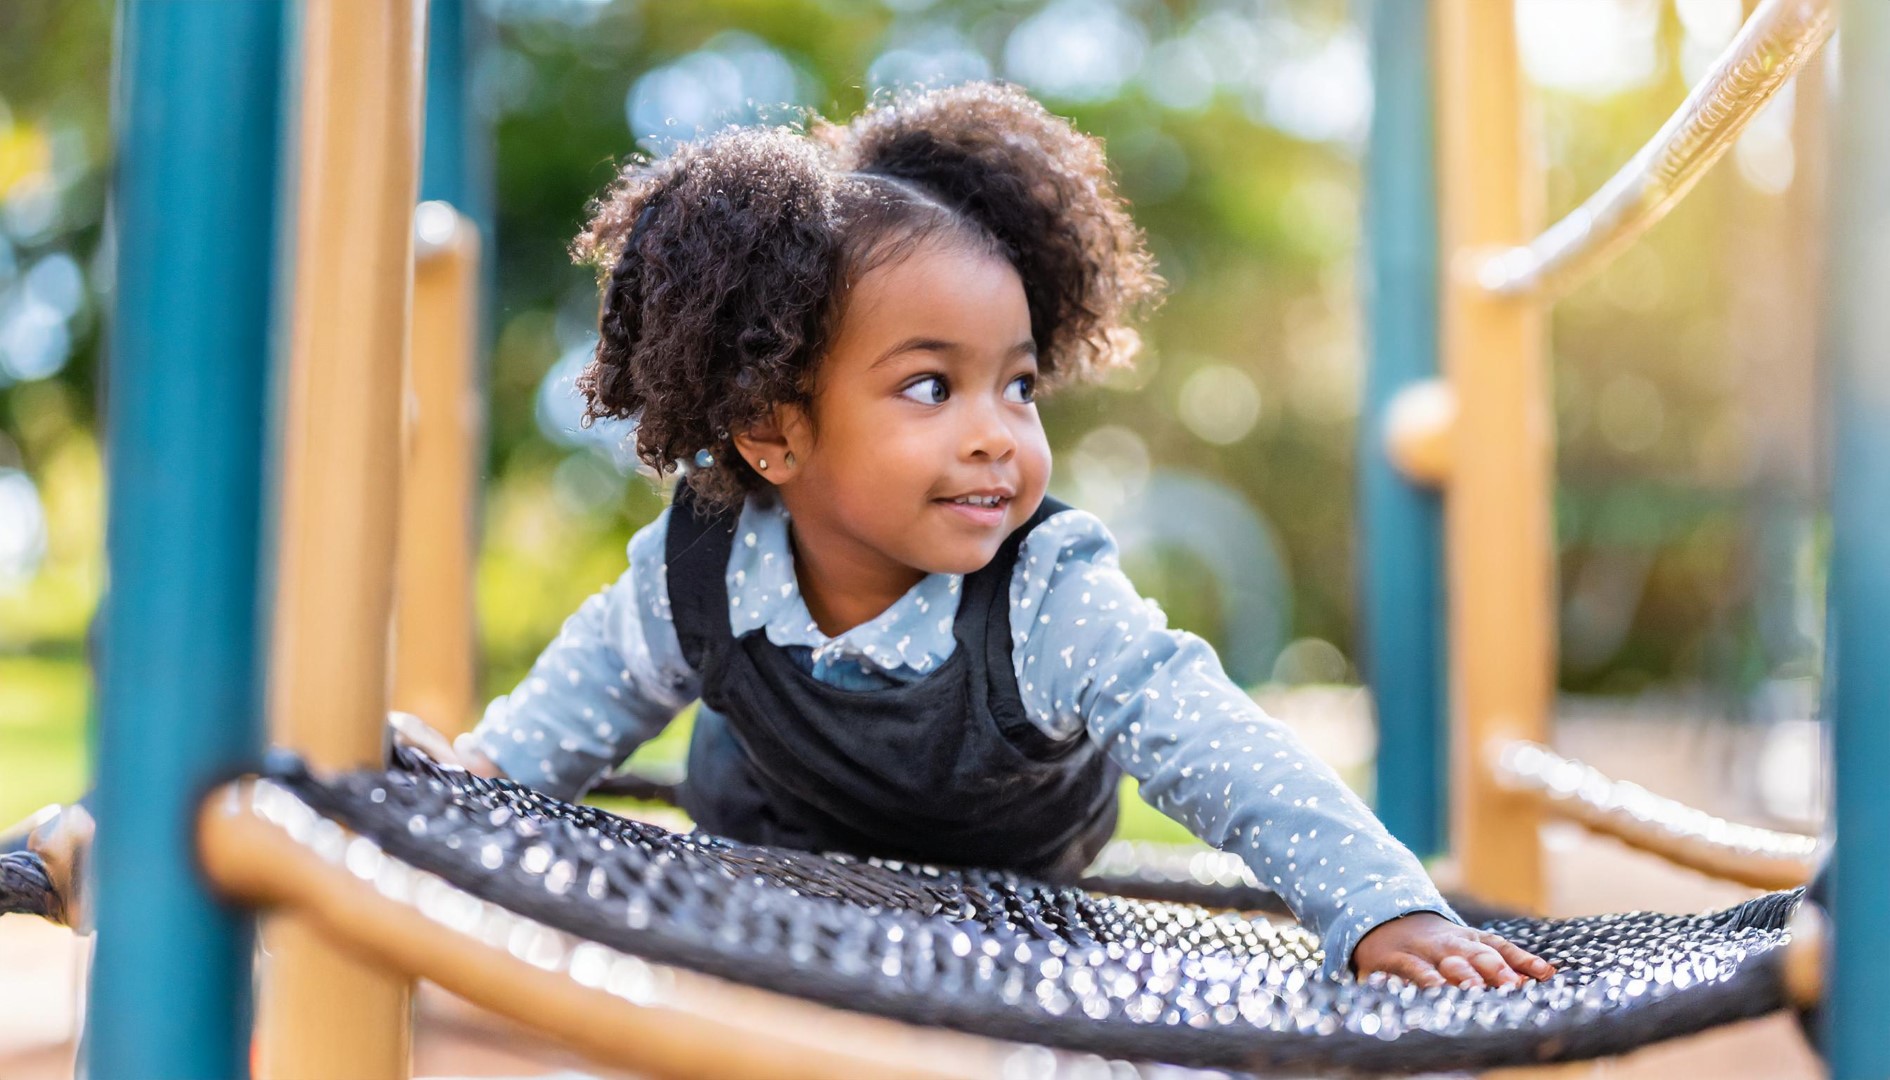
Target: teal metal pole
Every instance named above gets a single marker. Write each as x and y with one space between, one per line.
193 210
1401 525
1857 994
456 144
454 154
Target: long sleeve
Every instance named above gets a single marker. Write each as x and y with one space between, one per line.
612 679
1093 655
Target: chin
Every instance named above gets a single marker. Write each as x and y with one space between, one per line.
961 561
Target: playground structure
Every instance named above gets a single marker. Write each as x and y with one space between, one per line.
1482 435
377 333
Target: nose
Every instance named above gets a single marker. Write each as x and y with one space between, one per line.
987 432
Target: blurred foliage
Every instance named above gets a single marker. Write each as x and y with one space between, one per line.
42 752
1687 521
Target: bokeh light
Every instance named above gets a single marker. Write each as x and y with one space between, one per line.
734 78
1710 26
1764 153
1076 50
22 529
560 414
1323 95
1592 47
1110 465
928 55
1220 403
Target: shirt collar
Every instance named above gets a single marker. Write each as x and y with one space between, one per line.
915 632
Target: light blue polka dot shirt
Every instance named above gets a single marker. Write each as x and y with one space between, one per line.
1094 660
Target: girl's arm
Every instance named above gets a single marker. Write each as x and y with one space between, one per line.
613 679
1094 655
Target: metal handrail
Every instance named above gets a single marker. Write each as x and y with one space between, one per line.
1772 46
1681 834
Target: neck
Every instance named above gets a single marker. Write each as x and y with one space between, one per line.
843 582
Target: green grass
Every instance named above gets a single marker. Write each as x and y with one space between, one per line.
42 733
1140 821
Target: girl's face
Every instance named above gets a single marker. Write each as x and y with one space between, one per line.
925 399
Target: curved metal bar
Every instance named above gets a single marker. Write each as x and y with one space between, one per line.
1773 45
1681 834
262 845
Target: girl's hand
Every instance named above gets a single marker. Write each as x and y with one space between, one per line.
410 730
1430 950
62 838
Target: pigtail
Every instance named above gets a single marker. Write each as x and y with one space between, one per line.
1043 190
715 265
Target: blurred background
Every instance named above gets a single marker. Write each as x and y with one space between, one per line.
1688 508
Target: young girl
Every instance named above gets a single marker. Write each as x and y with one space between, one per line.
902 646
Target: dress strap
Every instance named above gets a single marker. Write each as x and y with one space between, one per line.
992 581
984 623
695 554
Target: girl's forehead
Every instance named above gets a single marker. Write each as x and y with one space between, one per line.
962 290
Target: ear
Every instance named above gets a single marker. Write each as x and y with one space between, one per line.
785 431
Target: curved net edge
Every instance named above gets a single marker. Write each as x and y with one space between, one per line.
998 955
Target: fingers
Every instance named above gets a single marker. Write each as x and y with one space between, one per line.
472 759
1519 958
1491 965
1415 969
1490 960
412 731
462 750
1471 959
1461 972
63 842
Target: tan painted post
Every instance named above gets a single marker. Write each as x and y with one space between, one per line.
324 1012
1499 540
444 421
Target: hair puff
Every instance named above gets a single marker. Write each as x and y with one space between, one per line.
1042 188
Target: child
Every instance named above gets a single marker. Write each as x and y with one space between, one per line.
903 648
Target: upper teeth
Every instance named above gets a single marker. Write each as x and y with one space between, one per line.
979 500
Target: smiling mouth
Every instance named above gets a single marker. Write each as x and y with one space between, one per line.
986 501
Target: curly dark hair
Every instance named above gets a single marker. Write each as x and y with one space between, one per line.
725 265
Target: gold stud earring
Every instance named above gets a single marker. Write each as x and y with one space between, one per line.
790 459
762 464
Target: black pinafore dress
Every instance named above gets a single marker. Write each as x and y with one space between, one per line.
946 769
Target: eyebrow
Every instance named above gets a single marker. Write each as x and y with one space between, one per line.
931 344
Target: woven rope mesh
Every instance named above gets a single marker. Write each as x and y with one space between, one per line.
995 954
26 888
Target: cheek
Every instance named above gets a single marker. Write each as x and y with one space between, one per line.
878 450
1033 451
899 447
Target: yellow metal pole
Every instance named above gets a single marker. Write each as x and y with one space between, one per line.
1499 561
324 1013
433 609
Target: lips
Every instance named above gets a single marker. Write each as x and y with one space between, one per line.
983 496
983 508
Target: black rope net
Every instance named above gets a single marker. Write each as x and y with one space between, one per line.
999 955
1146 871
26 888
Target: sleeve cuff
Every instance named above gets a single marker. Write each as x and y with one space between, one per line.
1371 911
523 757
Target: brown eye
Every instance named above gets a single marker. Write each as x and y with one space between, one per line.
932 391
